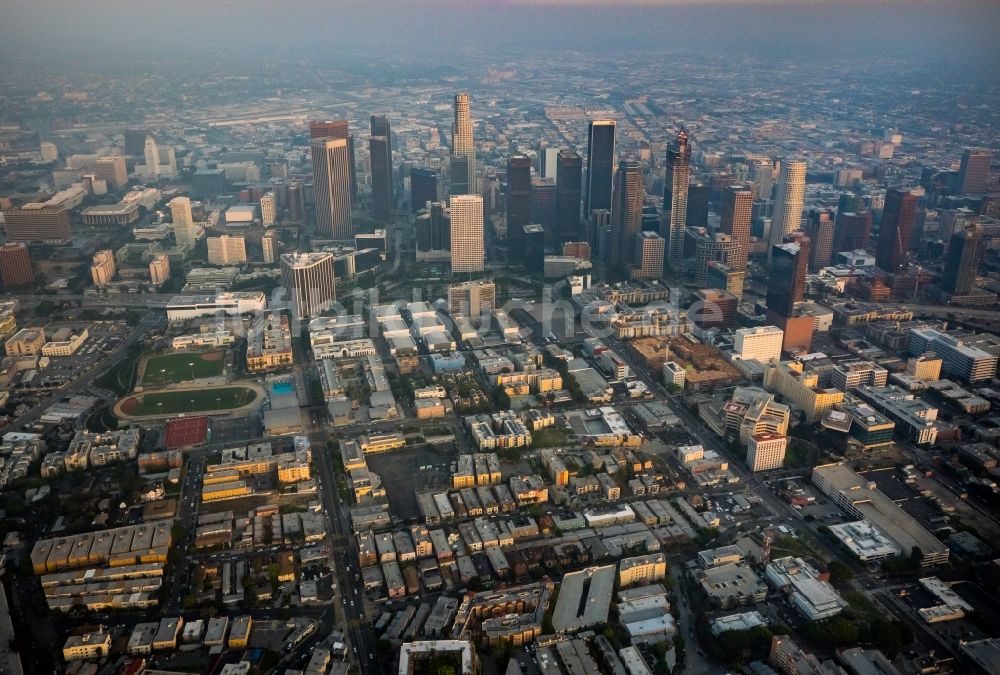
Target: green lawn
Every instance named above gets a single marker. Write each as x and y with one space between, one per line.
204 400
183 367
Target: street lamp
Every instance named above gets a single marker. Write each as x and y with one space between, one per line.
192 369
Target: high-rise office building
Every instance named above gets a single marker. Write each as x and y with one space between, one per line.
569 186
151 154
820 233
268 209
423 188
309 282
675 195
296 201
268 245
518 194
600 166
626 213
576 249
736 217
853 224
458 174
721 247
339 129
965 253
547 162
534 247
543 207
332 187
37 222
112 170
789 200
103 268
185 229
974 172
721 276
697 209
713 308
467 253
648 256
226 250
762 175
786 285
159 270
472 299
433 228
898 216
599 233
380 156
15 266
462 142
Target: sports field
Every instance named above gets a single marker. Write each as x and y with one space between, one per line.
193 401
182 367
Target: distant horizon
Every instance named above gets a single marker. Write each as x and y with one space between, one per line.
916 30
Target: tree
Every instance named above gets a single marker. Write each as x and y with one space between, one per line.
839 571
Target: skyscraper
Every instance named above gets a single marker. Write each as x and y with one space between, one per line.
462 143
339 129
788 201
648 256
151 153
268 209
600 165
965 254
433 230
184 227
103 269
518 194
697 209
467 253
898 216
309 282
569 185
820 233
423 188
380 155
332 187
534 247
268 245
675 195
626 214
543 207
786 284
135 142
853 224
721 247
15 266
458 173
736 217
974 173
112 170
763 179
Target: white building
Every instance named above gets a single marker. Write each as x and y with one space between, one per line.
788 200
865 541
267 209
762 343
184 307
766 451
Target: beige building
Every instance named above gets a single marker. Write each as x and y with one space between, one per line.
467 252
801 388
269 343
643 569
649 251
87 646
159 270
112 170
472 299
309 282
762 343
267 245
26 342
226 250
103 268
766 451
65 342
925 367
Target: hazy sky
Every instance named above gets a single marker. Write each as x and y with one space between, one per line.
809 29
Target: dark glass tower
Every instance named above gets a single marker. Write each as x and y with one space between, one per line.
787 282
423 188
965 253
380 154
600 165
569 181
898 216
626 213
518 194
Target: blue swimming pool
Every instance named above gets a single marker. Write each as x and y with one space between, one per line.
283 387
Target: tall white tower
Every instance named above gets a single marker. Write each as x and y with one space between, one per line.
185 230
267 209
467 254
788 201
462 142
152 154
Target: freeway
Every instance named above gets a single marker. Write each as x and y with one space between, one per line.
88 376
